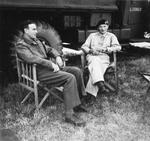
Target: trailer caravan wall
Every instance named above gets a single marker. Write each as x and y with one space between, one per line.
73 19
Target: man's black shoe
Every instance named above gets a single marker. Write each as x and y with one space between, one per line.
102 87
90 100
75 121
104 90
83 100
80 108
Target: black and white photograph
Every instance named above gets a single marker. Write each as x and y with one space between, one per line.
74 70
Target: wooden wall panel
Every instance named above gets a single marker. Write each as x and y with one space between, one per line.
109 4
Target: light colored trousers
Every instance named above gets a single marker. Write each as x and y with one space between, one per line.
97 66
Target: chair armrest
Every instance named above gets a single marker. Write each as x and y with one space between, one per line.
83 61
112 64
20 60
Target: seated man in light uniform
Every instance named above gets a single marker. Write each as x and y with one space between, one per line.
97 47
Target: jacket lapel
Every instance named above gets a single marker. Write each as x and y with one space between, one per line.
35 46
41 46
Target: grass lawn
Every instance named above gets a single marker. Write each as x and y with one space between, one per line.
122 117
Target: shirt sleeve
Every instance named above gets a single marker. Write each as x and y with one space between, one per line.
114 46
87 45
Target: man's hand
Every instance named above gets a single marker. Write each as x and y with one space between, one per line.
94 52
109 49
59 61
55 67
102 50
99 50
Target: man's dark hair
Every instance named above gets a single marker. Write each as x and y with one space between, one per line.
25 24
102 21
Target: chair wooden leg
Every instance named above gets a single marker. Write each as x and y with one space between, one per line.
55 95
36 99
145 103
51 92
47 94
42 101
116 72
116 80
27 96
109 87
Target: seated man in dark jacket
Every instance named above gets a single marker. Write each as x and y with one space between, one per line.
32 50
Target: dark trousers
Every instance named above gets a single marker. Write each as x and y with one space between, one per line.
70 78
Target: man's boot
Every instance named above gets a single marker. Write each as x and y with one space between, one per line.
102 87
72 118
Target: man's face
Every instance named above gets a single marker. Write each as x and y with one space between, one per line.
103 28
31 30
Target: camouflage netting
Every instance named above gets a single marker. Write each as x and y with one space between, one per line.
47 33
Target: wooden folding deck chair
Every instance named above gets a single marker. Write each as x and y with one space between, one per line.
113 65
27 77
82 36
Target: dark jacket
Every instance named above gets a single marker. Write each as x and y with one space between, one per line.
34 51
